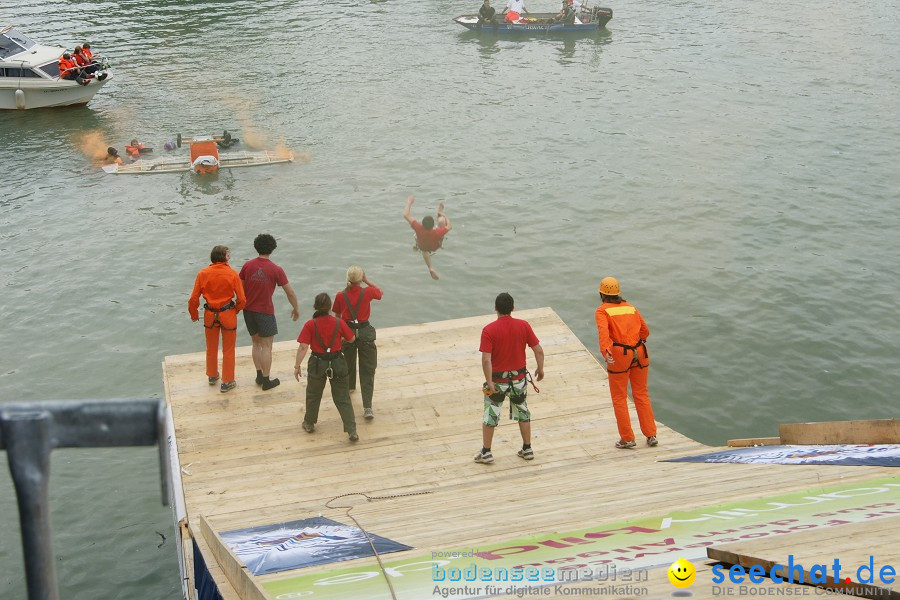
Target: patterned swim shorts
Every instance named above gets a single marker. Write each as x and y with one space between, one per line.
518 407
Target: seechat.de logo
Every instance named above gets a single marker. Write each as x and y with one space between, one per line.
682 573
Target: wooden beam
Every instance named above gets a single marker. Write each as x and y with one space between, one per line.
236 572
881 431
750 442
851 544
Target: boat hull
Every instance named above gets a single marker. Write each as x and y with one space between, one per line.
37 93
535 24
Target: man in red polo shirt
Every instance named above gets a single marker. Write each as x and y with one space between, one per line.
502 349
428 237
260 277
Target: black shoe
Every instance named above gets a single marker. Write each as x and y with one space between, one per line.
354 437
259 378
268 385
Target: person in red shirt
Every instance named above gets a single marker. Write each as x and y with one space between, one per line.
502 349
353 305
323 335
260 276
428 237
221 288
623 335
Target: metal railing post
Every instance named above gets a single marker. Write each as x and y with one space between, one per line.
29 431
26 436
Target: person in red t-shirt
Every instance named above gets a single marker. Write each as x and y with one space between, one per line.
353 305
428 237
322 335
260 276
502 349
223 292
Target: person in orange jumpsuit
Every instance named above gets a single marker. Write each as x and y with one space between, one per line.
623 335
223 292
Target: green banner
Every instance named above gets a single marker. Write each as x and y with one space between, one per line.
618 552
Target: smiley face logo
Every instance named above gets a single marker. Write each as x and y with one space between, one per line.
682 573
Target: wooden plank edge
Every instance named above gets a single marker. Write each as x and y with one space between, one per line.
859 590
873 431
750 442
235 571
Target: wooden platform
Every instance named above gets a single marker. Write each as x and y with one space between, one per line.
246 462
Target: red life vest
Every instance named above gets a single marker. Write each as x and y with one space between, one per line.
134 152
66 66
81 60
87 54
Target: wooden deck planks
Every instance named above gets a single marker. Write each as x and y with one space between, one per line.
247 462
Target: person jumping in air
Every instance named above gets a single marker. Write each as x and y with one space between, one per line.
428 237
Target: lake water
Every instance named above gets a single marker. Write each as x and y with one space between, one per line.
734 164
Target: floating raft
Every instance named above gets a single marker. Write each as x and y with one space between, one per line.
242 461
228 160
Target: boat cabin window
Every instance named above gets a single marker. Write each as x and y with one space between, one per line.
17 72
12 42
51 69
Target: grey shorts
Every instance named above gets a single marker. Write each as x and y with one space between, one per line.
260 324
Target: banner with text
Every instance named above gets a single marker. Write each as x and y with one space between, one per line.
871 455
626 545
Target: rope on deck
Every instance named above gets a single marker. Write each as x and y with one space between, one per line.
366 533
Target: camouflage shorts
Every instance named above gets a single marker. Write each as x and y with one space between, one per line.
518 407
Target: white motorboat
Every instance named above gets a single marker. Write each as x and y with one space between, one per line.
29 75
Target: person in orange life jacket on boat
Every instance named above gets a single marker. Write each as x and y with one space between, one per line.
428 237
223 292
93 65
623 334
353 305
514 10
323 335
69 70
502 350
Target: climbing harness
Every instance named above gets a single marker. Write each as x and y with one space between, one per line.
634 358
216 322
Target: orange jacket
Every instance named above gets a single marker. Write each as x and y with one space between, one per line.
80 59
218 283
87 54
620 323
66 66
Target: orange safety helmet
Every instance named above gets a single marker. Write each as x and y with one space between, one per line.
609 286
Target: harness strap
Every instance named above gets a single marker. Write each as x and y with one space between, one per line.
328 355
634 358
216 322
337 326
353 311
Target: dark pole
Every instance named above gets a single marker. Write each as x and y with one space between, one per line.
26 436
